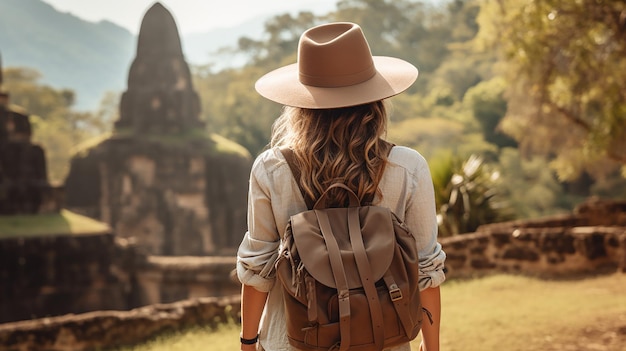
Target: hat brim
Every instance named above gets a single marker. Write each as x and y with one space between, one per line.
392 77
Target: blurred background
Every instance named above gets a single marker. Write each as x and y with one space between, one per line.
533 90
136 122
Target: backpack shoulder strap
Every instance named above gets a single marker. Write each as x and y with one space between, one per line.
291 161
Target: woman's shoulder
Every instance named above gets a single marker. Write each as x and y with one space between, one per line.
269 160
407 158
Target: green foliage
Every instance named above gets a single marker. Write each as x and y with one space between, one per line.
232 108
55 125
432 135
442 171
427 135
466 195
413 30
610 186
455 108
476 95
457 74
279 45
566 65
530 186
488 106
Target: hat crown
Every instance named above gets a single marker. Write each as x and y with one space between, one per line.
334 55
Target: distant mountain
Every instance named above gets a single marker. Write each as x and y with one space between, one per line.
89 58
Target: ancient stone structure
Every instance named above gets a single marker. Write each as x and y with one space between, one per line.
160 98
24 187
63 273
161 178
166 279
51 261
592 239
52 275
105 329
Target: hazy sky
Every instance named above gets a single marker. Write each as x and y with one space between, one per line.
190 15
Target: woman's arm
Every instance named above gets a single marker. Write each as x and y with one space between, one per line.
431 300
257 253
252 305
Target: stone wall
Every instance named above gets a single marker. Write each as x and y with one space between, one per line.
103 329
56 275
590 239
53 275
537 251
165 279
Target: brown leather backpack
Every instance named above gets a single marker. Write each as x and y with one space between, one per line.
349 276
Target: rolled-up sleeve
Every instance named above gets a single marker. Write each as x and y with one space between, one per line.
259 248
432 268
421 217
255 260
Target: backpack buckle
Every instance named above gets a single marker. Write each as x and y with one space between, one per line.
395 293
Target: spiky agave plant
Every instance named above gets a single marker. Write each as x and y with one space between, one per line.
467 196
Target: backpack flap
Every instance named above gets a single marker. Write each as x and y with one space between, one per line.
378 238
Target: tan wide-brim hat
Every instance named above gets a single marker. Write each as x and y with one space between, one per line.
335 69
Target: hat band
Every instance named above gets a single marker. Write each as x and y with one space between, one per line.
336 81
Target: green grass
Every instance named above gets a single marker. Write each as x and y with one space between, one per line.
494 313
228 146
505 312
182 139
63 223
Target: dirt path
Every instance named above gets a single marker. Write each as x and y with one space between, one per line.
607 334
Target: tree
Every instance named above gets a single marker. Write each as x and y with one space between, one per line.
530 187
280 41
232 108
55 126
488 106
566 67
418 31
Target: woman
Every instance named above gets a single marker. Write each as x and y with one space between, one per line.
333 120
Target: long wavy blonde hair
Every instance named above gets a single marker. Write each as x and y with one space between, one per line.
336 145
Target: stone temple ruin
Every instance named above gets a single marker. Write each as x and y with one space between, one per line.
159 178
24 187
166 199
45 273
